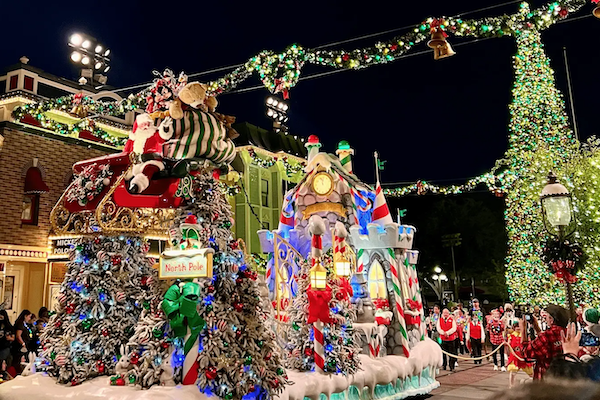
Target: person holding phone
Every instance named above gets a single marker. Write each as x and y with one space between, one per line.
548 344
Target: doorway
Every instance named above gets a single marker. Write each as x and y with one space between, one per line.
13 291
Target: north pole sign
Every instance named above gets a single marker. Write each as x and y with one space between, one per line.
186 264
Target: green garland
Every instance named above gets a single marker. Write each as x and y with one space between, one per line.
290 169
65 104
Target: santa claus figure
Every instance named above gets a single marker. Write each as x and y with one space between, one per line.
146 141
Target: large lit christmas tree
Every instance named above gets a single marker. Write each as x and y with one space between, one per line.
540 141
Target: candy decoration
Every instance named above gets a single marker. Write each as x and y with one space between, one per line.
210 373
398 310
319 351
180 305
120 297
381 212
60 360
221 325
62 298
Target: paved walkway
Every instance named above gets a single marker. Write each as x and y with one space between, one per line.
470 381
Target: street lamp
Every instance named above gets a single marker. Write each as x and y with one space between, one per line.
91 56
438 282
557 212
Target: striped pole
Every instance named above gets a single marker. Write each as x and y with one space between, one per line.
415 290
360 260
190 362
318 343
398 310
345 154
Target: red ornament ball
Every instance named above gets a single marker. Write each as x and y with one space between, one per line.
120 382
268 356
58 323
74 382
210 289
308 351
563 12
134 359
70 308
345 57
144 280
101 367
211 373
275 383
97 240
339 296
164 345
104 332
239 307
239 280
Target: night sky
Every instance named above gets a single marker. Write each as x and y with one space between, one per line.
432 120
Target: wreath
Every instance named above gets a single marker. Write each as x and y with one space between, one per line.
563 258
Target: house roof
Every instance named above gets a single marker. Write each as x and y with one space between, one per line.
269 140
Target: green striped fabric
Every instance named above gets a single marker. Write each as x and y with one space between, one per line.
200 135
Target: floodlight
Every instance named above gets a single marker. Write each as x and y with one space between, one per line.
76 56
76 39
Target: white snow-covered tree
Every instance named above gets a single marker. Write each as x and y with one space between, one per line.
109 283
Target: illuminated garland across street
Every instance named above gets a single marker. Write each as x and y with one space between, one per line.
290 168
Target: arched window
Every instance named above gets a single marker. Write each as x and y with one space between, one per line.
377 285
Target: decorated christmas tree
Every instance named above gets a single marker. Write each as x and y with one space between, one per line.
109 283
321 334
540 141
219 333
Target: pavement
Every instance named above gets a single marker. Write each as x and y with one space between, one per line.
469 381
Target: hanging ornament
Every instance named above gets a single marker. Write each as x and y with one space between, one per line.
248 360
70 308
131 379
105 332
157 332
134 358
239 307
116 260
210 373
210 289
100 367
120 297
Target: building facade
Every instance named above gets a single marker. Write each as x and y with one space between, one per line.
35 164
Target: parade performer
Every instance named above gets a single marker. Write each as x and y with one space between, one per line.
495 329
446 327
514 339
475 337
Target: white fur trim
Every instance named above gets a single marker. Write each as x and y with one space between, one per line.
159 164
141 181
165 129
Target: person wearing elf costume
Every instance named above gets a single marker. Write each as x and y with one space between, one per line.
591 319
446 327
496 332
475 336
145 142
514 339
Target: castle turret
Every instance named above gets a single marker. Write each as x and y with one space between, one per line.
345 154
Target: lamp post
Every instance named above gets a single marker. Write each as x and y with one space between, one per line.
277 110
91 56
558 213
438 282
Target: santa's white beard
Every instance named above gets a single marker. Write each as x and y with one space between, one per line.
140 140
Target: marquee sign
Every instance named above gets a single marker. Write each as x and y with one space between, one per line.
186 264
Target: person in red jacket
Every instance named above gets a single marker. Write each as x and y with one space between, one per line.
446 327
475 335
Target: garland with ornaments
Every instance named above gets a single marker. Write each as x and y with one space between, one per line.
280 72
268 162
89 183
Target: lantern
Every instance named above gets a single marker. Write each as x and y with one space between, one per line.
342 265
556 203
318 277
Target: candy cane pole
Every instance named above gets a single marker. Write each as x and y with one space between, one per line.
415 290
317 229
398 310
190 362
318 346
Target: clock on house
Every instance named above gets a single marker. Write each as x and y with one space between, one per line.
322 184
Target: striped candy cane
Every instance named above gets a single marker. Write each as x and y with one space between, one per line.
360 260
318 344
190 362
415 290
398 310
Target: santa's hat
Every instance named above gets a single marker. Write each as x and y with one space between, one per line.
381 212
591 316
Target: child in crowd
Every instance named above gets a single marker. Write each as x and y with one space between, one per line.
4 375
515 364
475 335
496 332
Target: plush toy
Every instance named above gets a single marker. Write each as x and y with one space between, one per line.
146 141
193 94
166 372
124 363
211 103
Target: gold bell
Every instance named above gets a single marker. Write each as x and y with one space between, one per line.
437 40
443 52
439 44
596 12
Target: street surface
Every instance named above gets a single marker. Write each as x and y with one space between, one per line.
471 381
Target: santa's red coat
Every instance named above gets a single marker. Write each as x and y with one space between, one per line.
152 145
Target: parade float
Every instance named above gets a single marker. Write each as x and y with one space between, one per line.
193 324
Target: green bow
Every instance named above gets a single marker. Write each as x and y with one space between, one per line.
180 306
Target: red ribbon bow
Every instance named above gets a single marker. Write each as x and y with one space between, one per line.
437 25
414 305
563 269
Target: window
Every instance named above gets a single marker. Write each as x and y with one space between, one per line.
30 209
28 83
264 192
13 82
377 284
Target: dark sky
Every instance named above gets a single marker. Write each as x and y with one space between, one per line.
433 120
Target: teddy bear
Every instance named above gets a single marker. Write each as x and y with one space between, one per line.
193 94
145 141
